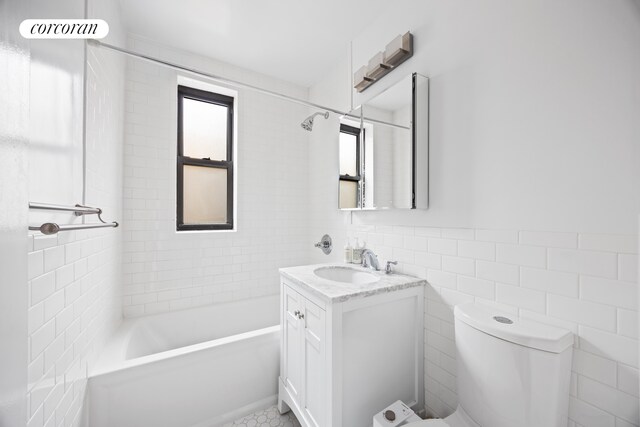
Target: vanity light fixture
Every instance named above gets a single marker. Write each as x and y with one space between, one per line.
361 81
395 53
377 67
399 49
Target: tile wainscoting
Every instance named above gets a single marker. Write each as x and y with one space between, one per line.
586 283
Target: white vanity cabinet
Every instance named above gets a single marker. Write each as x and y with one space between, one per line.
347 351
303 354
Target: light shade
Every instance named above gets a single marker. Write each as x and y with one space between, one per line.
398 49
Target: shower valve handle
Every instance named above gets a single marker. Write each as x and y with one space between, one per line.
325 244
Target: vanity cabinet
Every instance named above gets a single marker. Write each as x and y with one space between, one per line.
349 351
303 354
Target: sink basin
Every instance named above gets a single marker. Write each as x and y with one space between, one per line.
346 275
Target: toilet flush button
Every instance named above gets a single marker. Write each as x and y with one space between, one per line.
389 415
504 320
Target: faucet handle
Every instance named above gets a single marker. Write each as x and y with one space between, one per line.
388 269
364 262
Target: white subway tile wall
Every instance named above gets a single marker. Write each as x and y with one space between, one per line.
167 270
586 283
75 277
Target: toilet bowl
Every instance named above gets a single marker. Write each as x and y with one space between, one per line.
511 372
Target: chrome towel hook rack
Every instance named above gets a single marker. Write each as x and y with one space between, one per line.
78 210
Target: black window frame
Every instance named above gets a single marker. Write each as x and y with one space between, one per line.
182 160
352 130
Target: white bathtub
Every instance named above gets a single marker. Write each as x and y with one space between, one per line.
199 367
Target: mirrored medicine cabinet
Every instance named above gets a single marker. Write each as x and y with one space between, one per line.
384 150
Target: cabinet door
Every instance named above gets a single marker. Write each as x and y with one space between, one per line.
314 372
292 343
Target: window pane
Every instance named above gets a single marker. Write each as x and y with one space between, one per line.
348 158
204 130
348 194
204 193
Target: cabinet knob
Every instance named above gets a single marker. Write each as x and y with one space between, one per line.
301 316
296 313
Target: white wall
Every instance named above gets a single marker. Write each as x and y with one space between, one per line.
533 110
533 202
323 215
74 277
56 113
166 270
14 120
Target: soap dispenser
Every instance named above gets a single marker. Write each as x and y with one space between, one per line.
357 253
348 252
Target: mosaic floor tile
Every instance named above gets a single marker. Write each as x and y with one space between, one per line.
269 417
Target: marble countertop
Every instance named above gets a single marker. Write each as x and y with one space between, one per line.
332 291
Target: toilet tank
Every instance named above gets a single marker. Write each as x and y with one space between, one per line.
511 372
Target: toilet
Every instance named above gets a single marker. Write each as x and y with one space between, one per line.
511 372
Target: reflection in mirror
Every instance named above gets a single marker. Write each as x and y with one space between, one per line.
349 151
392 155
350 161
349 166
388 148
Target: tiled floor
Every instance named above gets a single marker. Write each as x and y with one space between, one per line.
269 417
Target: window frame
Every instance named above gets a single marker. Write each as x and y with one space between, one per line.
352 130
182 160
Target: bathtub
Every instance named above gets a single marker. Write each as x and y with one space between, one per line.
200 367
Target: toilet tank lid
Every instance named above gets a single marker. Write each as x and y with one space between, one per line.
509 328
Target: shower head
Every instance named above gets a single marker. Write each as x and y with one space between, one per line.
307 124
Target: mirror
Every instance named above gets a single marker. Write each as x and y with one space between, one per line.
384 150
350 182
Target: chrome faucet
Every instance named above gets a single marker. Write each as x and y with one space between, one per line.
370 260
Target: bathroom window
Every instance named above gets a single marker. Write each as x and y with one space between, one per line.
350 175
205 160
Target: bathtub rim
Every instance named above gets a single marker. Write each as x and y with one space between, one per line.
108 365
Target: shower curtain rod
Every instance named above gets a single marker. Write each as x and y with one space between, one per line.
235 83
